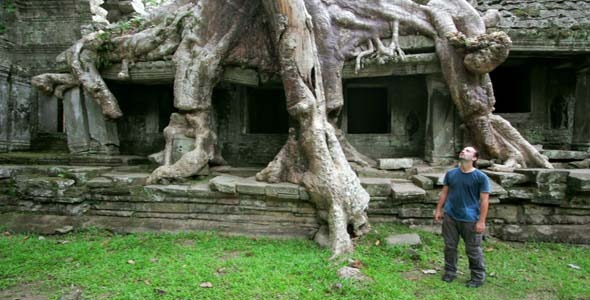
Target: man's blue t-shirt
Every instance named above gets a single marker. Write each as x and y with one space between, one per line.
463 197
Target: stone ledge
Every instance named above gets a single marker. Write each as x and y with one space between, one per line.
507 179
379 187
579 181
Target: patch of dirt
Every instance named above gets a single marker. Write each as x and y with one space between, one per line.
187 243
541 296
413 275
227 255
25 291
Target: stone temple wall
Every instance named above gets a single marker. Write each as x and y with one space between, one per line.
528 205
36 31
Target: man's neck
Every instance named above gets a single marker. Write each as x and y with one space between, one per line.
466 166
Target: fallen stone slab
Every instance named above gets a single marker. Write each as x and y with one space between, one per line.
380 187
565 154
541 176
81 174
524 193
579 181
283 190
437 178
409 239
352 273
376 173
188 191
99 182
423 182
506 179
128 178
543 233
250 186
395 163
497 190
224 183
407 191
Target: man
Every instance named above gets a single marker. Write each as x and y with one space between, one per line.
464 198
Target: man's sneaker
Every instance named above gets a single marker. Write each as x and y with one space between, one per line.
473 284
448 278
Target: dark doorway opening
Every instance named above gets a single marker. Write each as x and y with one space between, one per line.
368 110
267 111
512 89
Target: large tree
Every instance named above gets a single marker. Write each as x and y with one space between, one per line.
307 43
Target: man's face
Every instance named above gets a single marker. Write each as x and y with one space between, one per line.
468 153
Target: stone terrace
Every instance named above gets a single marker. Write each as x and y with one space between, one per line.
528 204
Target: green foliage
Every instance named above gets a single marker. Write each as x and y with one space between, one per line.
6 7
173 266
151 4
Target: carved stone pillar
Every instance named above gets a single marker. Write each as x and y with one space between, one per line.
581 134
86 128
4 96
15 111
441 123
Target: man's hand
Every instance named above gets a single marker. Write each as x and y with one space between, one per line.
438 216
480 226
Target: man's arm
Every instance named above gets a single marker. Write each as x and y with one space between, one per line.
484 198
438 213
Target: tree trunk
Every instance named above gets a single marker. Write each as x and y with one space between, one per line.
332 184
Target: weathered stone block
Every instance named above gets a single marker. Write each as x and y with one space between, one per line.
579 181
536 214
283 190
303 195
99 182
551 193
509 213
433 195
543 233
408 191
5 172
224 183
525 193
497 190
416 211
565 154
506 179
572 211
250 186
437 178
577 201
541 176
409 239
376 173
395 163
128 178
376 186
423 182
80 174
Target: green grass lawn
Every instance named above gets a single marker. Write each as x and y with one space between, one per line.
174 266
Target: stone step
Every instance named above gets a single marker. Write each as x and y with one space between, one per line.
407 191
556 155
579 180
249 186
50 142
64 158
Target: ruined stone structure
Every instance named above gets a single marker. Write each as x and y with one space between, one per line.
392 110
